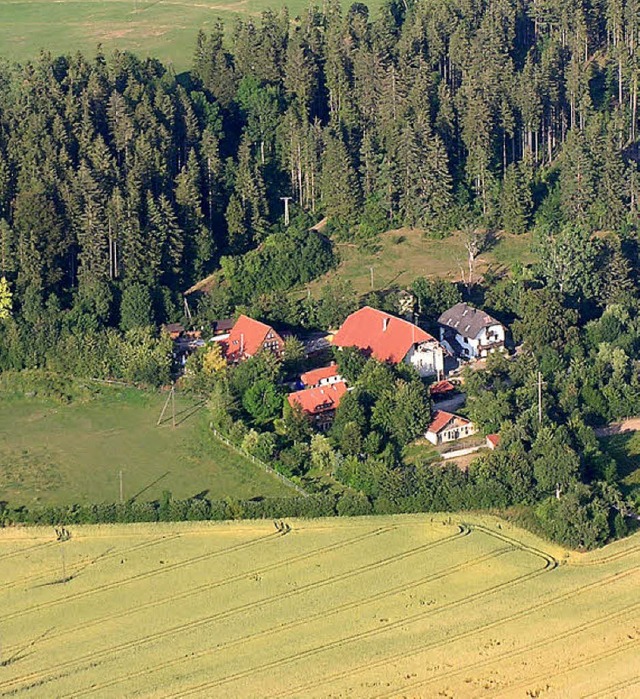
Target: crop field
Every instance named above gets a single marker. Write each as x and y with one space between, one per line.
406 606
56 453
164 29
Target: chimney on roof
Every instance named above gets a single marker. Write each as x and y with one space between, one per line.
385 323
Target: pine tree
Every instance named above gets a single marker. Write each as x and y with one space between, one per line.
515 201
7 247
6 302
340 191
577 179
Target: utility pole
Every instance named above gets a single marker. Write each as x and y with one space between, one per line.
187 310
171 398
121 488
540 397
173 405
286 201
371 272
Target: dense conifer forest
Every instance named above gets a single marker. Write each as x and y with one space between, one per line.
123 184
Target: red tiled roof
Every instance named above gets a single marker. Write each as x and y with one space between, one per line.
441 419
441 387
311 378
387 337
247 336
493 439
318 400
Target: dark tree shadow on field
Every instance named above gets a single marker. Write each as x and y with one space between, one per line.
147 487
183 415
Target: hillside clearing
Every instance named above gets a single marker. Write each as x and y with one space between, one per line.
53 453
406 254
415 606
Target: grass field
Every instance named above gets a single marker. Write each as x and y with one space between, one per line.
407 606
52 453
164 29
406 254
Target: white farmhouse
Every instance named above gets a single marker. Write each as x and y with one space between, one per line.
470 333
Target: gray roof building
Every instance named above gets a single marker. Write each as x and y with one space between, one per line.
466 320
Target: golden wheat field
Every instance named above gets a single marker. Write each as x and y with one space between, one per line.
406 606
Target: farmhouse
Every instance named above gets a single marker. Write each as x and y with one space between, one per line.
470 333
447 427
320 403
391 339
248 336
324 376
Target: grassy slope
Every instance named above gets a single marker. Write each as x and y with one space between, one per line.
164 29
407 254
368 607
53 453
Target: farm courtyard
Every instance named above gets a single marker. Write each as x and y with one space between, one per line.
405 606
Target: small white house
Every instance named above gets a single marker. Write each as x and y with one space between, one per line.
470 333
448 427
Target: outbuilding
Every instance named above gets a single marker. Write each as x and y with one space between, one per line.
448 427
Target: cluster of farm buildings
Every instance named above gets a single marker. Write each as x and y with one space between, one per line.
465 334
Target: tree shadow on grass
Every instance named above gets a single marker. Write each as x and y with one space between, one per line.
183 415
133 498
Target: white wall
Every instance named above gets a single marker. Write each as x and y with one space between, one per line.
427 358
474 347
449 435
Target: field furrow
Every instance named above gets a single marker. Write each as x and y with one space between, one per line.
370 607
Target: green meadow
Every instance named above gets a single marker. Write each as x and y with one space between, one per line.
63 453
163 29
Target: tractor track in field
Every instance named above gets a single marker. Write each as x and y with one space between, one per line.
139 576
192 561
299 690
536 645
298 622
550 564
274 566
77 568
38 676
11 554
607 691
613 557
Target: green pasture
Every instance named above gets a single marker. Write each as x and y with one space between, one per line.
53 453
405 254
164 29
